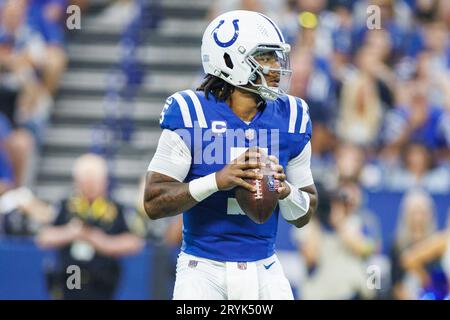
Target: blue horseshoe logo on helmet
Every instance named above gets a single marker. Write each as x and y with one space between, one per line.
233 39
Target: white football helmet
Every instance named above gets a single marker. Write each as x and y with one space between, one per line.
232 41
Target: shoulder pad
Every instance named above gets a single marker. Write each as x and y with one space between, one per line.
296 113
183 109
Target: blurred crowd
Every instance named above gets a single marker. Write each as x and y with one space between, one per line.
385 91
32 60
87 228
379 98
377 82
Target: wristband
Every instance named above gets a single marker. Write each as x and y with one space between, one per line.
295 205
203 187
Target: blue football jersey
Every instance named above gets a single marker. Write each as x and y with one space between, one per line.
216 228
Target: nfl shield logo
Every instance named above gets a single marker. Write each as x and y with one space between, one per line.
250 134
242 265
272 183
192 263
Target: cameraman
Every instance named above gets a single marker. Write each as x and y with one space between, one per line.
335 246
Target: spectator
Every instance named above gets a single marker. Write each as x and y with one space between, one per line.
342 41
312 80
430 34
352 165
22 99
379 42
444 138
322 160
432 74
394 18
416 222
15 149
22 51
32 60
46 17
347 164
316 25
336 245
6 179
435 247
418 170
413 120
6 169
89 231
429 260
361 110
23 213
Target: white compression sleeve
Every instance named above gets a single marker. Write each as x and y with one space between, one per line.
298 175
172 157
298 169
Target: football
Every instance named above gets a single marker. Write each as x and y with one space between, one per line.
259 205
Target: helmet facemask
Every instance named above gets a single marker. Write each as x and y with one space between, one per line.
270 74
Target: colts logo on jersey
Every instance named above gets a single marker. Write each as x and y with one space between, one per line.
232 40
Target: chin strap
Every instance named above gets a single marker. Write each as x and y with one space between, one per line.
262 92
260 102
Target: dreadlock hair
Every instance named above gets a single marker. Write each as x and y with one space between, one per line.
219 88
222 90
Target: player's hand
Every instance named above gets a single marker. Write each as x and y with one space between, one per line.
279 174
234 173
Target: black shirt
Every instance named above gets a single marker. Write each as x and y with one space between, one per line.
99 273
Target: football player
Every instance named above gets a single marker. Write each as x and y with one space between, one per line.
210 137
